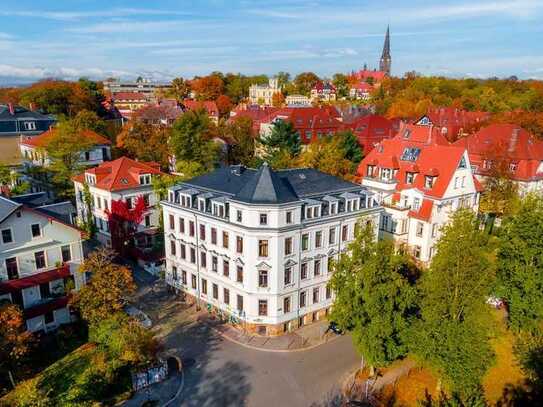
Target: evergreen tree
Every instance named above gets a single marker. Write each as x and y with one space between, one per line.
282 140
520 265
374 297
453 333
350 146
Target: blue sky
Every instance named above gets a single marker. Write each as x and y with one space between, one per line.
168 38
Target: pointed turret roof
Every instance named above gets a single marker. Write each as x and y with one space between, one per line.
386 46
265 186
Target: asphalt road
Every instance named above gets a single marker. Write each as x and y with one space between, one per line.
227 374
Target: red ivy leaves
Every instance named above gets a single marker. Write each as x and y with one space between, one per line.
123 222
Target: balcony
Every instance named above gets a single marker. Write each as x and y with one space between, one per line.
43 308
380 184
10 286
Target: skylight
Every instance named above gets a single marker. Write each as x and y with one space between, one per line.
410 154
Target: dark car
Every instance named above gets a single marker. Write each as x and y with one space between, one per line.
335 328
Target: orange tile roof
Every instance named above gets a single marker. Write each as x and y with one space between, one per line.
209 105
45 138
122 173
425 211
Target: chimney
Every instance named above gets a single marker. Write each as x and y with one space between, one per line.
513 140
11 109
430 131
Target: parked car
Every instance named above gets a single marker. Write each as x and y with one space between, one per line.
139 315
155 267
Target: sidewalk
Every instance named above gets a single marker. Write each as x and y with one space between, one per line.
304 338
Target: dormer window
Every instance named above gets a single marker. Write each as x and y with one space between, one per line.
145 179
201 204
428 181
386 174
512 167
409 177
333 208
90 179
371 170
416 204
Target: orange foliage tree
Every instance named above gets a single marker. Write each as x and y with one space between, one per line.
278 99
105 293
145 142
208 87
14 339
224 104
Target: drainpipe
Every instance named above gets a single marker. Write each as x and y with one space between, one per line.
197 234
299 271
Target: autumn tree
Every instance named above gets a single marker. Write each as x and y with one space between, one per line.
374 298
305 81
145 142
327 155
180 89
520 265
278 99
341 83
89 120
239 133
192 139
15 340
106 292
224 104
208 87
453 333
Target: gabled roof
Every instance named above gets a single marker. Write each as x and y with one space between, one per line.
7 207
8 112
44 139
366 73
136 96
421 134
372 129
209 105
321 86
508 142
440 161
122 173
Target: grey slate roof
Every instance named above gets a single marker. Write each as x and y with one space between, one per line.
7 207
267 186
33 199
62 211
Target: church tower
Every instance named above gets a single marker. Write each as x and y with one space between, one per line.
386 59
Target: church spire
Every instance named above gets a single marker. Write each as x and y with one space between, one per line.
386 59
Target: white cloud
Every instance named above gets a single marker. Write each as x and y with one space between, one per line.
80 15
36 72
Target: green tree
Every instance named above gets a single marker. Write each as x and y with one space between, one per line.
305 81
341 82
350 146
192 139
453 333
374 297
89 120
180 89
282 78
520 265
64 151
106 292
239 133
283 137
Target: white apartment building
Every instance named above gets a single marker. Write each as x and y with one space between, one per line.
257 244
123 180
263 94
420 181
39 256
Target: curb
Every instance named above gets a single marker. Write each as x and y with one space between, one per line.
179 391
270 350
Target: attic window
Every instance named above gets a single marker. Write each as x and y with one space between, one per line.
513 166
462 164
409 177
428 181
145 179
302 176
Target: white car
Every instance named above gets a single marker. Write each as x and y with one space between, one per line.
139 315
155 267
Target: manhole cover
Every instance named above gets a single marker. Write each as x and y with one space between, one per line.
189 362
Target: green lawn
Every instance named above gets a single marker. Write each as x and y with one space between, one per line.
79 379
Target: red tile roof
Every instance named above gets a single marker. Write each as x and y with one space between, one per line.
311 119
321 86
35 279
452 121
363 86
425 211
45 138
421 134
123 173
372 129
363 74
209 105
436 160
507 142
126 96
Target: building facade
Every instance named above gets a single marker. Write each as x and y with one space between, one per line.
122 180
39 259
420 182
257 244
324 92
263 94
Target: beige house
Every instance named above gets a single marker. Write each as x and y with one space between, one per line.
263 94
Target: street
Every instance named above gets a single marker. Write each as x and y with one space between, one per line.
228 374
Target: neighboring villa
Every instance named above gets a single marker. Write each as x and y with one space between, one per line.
420 180
521 151
371 129
263 94
129 102
208 105
258 244
323 92
40 255
17 121
453 123
33 150
123 180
